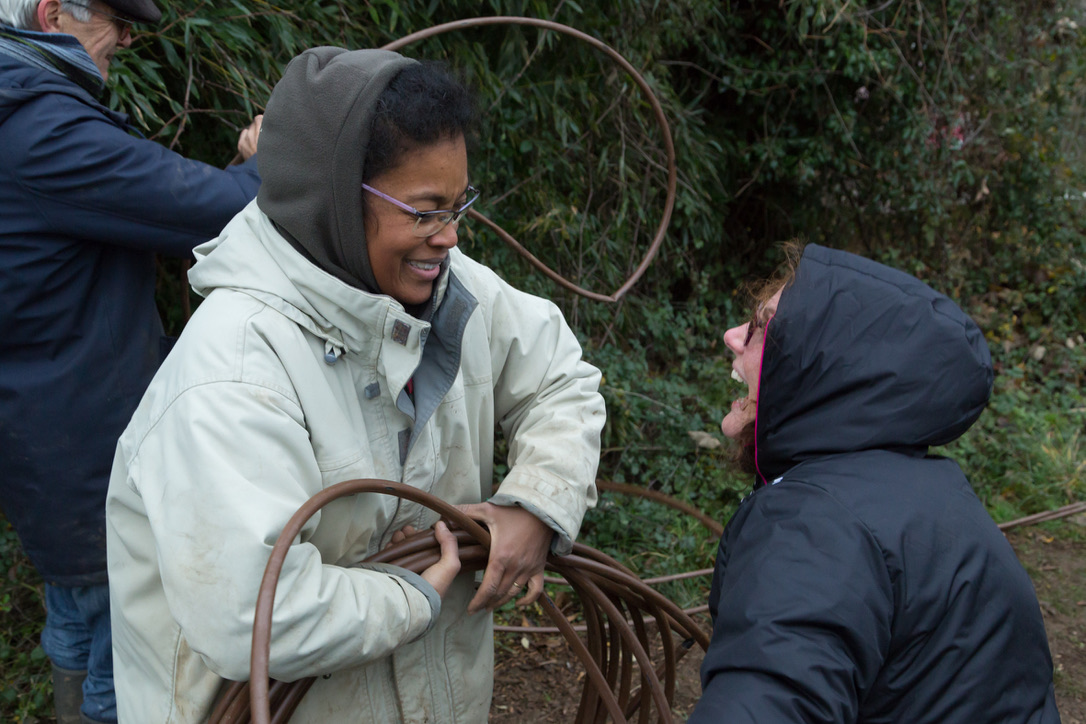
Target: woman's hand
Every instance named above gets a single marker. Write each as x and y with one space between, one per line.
519 542
400 536
441 574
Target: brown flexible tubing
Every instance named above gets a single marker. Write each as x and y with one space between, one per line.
718 530
605 588
714 527
658 112
1064 512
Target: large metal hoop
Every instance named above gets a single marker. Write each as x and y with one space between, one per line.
661 119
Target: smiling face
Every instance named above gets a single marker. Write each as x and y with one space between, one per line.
427 178
100 36
746 341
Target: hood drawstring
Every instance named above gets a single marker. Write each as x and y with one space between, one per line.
332 352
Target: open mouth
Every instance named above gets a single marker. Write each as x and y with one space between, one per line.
741 403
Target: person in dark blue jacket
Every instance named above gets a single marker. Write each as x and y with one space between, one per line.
85 204
862 580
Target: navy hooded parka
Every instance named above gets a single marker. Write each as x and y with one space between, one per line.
84 206
862 580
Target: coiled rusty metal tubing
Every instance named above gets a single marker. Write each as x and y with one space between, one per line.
613 599
609 582
657 110
714 527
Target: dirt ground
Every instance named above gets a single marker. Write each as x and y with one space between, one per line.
537 679
1056 560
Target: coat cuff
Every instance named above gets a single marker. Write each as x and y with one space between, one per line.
428 604
564 520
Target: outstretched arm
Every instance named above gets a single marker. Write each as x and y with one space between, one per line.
102 184
548 406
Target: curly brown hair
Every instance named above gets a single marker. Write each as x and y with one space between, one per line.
760 292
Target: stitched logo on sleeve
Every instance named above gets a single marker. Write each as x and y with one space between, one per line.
400 332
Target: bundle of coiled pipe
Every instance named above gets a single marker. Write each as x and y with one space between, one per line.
622 682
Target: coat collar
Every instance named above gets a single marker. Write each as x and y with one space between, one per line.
251 257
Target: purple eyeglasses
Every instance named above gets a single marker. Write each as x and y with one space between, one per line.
428 223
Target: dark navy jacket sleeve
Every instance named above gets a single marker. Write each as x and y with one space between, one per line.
89 178
802 605
85 204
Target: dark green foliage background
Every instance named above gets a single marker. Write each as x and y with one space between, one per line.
943 137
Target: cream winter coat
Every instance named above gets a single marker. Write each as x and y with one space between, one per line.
286 381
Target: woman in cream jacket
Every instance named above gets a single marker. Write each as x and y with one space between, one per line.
344 336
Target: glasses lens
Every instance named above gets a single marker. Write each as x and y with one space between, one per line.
427 226
122 20
431 223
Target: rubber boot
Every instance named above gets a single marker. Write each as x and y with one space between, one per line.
68 694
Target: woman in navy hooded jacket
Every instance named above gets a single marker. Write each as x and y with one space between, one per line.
862 580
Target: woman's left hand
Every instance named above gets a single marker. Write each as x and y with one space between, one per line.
401 535
519 542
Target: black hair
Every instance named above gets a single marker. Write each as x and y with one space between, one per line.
423 104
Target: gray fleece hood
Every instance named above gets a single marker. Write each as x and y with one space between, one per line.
313 150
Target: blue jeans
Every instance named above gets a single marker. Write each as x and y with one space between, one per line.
77 636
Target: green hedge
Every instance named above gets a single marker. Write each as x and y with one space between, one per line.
942 137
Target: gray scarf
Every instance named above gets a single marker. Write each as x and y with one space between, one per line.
58 53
